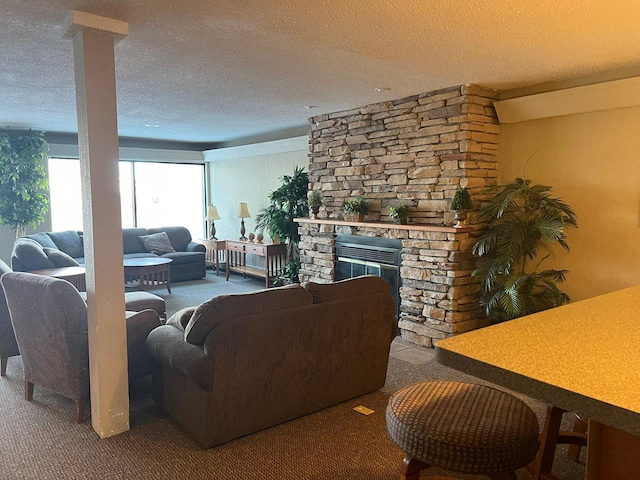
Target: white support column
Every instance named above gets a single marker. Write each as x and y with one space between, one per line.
93 48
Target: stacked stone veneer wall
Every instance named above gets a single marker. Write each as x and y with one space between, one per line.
415 151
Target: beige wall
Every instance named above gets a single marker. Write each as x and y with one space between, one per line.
248 179
592 161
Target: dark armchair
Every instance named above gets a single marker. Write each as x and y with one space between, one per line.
8 345
49 318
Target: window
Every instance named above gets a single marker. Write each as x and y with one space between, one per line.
151 195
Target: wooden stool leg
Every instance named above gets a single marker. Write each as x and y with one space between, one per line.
541 466
28 391
580 426
79 410
3 366
411 468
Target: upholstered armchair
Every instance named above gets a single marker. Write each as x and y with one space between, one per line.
8 345
49 318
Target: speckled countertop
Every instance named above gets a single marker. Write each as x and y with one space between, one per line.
582 357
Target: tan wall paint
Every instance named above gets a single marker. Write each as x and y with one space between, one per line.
592 161
251 180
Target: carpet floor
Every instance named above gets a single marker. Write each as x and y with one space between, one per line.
40 440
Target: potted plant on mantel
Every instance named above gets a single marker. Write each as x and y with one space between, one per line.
23 180
355 209
460 203
315 202
400 213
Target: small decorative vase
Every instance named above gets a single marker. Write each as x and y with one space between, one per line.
461 218
314 212
251 237
259 238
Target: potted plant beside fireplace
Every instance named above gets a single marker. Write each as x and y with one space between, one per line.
287 202
355 209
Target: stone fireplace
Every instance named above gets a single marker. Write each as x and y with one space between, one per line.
414 151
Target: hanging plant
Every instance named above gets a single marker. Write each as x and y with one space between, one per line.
522 219
23 180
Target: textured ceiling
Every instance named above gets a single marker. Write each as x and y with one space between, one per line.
226 70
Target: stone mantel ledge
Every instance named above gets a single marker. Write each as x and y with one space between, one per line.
387 225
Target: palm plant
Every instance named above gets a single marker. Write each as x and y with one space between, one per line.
522 218
289 201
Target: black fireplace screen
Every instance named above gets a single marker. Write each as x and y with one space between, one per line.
358 255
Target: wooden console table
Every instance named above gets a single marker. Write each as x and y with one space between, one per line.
215 253
274 255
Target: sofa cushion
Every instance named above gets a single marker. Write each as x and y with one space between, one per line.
351 287
227 307
59 258
184 258
157 243
70 242
43 239
131 242
31 254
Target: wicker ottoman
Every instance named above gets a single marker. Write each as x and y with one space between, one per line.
463 427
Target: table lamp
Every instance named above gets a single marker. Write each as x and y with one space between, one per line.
212 216
243 212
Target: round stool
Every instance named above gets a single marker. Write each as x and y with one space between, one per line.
463 427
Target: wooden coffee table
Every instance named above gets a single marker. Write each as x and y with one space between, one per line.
146 272
73 275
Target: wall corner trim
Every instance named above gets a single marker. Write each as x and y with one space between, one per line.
293 144
570 101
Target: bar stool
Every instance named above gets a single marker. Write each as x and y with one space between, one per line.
551 437
463 427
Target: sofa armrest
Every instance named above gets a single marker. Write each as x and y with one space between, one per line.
167 345
195 247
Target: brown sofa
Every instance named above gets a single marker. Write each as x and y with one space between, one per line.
240 363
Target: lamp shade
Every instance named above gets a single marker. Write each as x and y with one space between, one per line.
213 213
243 210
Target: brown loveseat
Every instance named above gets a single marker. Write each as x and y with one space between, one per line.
240 363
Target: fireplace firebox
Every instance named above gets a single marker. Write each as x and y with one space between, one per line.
358 255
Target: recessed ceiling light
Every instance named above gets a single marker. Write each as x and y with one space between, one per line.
382 89
310 106
152 125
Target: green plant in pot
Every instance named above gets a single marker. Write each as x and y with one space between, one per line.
287 202
523 219
400 213
355 209
315 202
460 203
23 180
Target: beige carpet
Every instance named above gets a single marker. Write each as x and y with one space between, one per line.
38 439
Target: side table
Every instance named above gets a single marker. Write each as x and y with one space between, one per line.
215 254
274 255
74 275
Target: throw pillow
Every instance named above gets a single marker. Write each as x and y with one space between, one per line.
157 243
59 258
181 318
